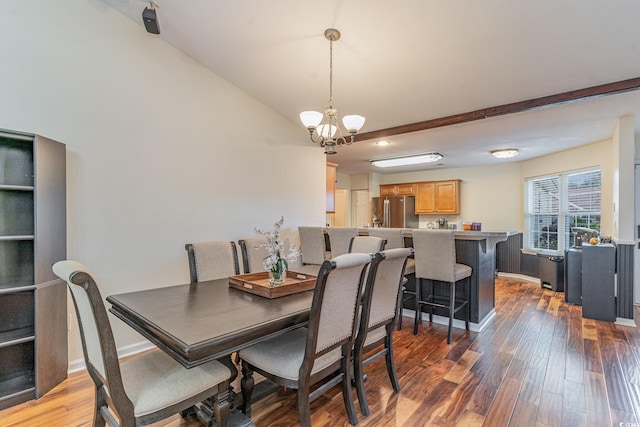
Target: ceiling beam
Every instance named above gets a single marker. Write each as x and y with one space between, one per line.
515 107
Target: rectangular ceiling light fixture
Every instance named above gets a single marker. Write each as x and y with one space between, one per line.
415 159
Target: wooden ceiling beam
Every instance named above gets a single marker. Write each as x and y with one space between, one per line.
515 107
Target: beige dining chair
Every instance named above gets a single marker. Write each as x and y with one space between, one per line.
340 239
366 244
313 249
378 316
435 255
146 388
215 259
254 251
395 239
303 357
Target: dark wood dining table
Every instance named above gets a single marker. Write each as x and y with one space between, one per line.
208 320
200 322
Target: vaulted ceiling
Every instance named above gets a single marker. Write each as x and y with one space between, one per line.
406 61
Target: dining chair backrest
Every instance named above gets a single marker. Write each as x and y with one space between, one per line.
366 244
435 254
254 251
312 245
98 344
335 303
393 236
291 237
340 239
383 287
212 260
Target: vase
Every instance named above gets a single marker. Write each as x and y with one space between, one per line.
277 277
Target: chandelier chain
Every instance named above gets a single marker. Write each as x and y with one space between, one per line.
331 73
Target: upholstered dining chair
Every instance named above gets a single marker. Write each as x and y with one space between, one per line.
366 244
146 388
378 316
254 251
395 239
212 260
302 357
340 239
435 255
313 249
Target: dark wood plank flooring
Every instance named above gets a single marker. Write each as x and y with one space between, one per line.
538 363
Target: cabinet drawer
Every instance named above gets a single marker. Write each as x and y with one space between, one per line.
406 189
388 190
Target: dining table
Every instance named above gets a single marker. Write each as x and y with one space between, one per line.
204 321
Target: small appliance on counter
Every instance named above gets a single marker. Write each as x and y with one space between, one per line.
443 223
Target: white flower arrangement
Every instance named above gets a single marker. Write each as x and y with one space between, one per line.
277 261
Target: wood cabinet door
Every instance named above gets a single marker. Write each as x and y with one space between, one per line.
446 197
425 198
388 190
405 189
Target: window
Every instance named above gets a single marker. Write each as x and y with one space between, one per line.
555 204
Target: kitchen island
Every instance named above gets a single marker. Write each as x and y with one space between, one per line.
477 250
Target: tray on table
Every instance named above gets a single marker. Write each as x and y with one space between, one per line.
258 283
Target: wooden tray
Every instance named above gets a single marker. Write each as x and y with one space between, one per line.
258 283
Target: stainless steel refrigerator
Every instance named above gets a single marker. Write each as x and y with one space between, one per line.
395 211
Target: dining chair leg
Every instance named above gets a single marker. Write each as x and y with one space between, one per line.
347 395
467 296
246 386
304 404
399 310
391 366
358 373
452 307
418 315
431 299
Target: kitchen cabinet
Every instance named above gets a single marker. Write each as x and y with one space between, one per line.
331 186
33 301
438 197
408 189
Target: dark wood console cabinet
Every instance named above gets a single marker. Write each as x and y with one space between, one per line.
33 301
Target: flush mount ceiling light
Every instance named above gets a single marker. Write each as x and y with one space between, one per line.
415 159
505 153
324 128
382 143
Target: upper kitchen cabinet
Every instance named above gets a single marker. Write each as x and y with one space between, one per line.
438 197
331 186
398 189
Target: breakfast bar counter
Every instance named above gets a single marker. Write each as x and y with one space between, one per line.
477 250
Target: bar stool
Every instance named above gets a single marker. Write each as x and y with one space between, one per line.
435 255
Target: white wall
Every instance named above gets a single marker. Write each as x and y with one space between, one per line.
160 151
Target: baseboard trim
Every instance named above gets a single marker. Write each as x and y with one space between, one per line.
127 350
519 276
457 323
623 321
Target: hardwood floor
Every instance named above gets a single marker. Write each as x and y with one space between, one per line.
538 363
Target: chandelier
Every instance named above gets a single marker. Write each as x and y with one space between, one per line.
324 128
